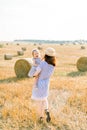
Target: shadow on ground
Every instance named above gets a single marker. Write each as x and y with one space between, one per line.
10 79
76 73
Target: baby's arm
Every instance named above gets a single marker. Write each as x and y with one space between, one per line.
34 64
38 70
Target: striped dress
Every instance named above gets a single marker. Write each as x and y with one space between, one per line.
44 70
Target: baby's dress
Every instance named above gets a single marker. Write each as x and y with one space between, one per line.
45 70
33 68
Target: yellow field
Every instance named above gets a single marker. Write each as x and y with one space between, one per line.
68 91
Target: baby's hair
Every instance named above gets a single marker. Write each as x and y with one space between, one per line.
34 51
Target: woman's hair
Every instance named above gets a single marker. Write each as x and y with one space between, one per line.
50 60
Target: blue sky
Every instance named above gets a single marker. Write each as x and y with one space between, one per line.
43 19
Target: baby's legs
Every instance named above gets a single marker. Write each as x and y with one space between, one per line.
35 82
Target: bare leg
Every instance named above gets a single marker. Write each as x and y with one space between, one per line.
40 109
45 103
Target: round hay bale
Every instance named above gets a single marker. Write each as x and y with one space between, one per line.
82 64
61 44
1 45
17 44
22 67
34 44
82 47
74 43
8 56
20 52
39 48
23 48
6 43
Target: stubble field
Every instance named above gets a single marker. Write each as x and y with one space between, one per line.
67 97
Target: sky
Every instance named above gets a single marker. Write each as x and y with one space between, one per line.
43 19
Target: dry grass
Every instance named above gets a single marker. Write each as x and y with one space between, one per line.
67 98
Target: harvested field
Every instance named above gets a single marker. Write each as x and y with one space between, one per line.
67 97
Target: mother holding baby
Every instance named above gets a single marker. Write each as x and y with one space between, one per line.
44 72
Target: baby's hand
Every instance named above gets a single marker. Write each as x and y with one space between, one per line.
34 64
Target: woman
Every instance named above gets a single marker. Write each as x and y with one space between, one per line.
44 72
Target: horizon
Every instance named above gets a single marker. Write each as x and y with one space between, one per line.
47 41
43 19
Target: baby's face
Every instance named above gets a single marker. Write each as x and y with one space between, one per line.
36 54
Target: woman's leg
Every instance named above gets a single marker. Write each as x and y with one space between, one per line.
40 108
42 105
45 104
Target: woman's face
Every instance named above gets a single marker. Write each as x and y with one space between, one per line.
36 54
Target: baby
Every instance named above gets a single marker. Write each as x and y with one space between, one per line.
36 61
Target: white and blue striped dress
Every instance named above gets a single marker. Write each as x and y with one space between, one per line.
44 70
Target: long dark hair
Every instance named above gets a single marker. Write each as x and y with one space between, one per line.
50 60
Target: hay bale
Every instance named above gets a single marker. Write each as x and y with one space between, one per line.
74 43
17 44
39 48
82 47
34 44
61 44
8 56
82 64
22 67
6 43
1 45
23 48
20 52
